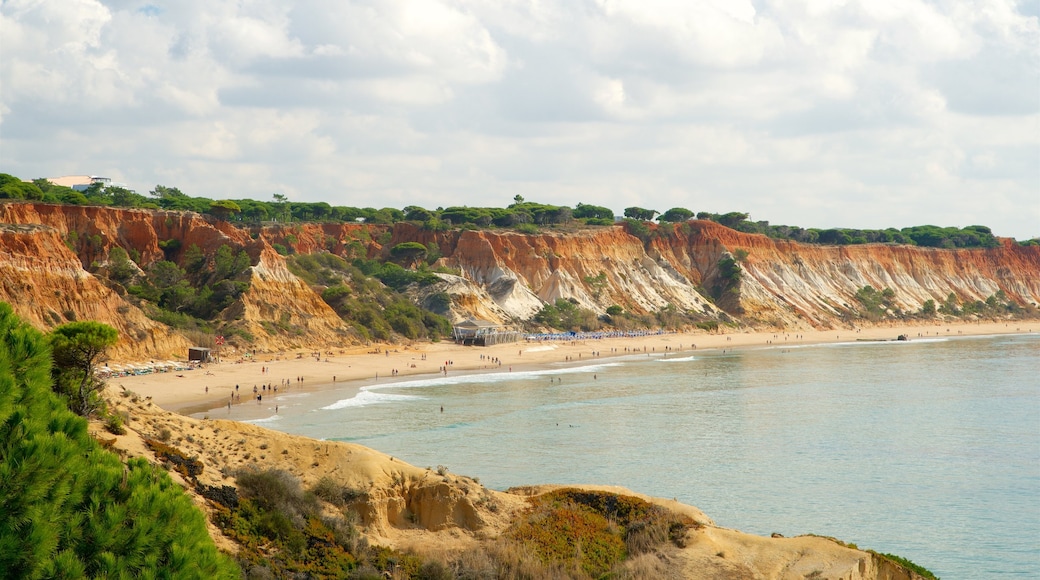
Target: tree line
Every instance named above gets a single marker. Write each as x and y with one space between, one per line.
521 215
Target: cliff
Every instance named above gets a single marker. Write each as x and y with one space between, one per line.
53 256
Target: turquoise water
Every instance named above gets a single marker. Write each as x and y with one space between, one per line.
926 449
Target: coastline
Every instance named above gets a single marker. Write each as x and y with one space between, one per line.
210 387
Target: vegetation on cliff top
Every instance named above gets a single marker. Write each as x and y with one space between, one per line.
521 214
69 508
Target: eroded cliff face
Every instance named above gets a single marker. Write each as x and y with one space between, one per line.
789 284
44 282
596 268
782 283
49 252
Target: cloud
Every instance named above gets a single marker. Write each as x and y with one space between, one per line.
858 113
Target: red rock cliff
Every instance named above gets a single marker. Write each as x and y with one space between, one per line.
49 251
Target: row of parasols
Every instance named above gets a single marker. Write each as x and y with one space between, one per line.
143 368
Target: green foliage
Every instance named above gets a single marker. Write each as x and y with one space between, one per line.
114 424
228 264
439 302
640 214
927 236
376 310
194 260
187 297
433 253
120 268
567 315
728 282
170 247
924 572
78 348
615 310
13 188
949 306
596 212
597 283
928 308
520 213
408 252
729 270
676 214
224 208
638 229
285 533
72 509
595 531
875 304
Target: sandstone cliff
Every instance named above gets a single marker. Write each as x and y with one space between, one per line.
49 253
442 514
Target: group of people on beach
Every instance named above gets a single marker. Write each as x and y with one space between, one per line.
259 390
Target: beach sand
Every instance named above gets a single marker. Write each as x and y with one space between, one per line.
212 386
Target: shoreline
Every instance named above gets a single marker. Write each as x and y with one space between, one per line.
211 387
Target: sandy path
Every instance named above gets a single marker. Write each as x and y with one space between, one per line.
211 386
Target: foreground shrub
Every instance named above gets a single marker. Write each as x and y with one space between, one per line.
595 531
70 509
284 532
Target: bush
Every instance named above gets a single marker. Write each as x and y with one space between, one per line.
595 531
336 493
79 511
284 533
114 425
924 572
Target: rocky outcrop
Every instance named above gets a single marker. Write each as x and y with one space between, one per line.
435 511
46 285
51 252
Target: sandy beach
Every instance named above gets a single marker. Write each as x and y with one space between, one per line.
212 385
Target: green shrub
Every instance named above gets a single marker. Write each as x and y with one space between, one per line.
595 531
79 511
910 565
114 425
284 533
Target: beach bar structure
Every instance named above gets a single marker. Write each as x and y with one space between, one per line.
198 354
473 332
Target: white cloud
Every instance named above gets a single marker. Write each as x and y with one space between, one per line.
858 113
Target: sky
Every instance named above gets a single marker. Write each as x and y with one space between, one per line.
816 113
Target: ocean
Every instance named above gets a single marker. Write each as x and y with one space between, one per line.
929 449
